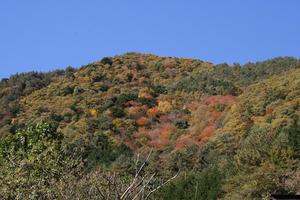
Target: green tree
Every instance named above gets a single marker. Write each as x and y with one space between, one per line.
34 159
194 186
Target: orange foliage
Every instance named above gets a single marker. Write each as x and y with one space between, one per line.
184 142
152 112
145 93
158 144
157 137
214 116
84 79
166 131
131 103
207 132
168 63
133 110
142 121
218 99
137 111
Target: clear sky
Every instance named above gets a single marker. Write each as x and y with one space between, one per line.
50 34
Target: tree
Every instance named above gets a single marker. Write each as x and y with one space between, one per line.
194 186
117 111
33 160
142 184
106 60
164 106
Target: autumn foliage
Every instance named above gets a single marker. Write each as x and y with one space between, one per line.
195 116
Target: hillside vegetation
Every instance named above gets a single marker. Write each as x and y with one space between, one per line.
194 129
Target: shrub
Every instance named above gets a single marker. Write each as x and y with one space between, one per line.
102 151
104 88
182 124
117 111
106 60
164 106
159 89
123 98
66 91
194 186
147 102
104 123
220 107
142 121
33 160
206 82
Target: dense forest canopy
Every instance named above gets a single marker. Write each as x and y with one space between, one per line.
194 129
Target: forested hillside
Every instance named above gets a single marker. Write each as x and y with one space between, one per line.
140 126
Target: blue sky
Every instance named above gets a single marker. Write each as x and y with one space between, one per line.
44 35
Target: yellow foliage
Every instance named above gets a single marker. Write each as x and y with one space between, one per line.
121 123
164 106
118 123
279 122
93 112
14 121
145 93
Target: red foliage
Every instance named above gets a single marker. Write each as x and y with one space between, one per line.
218 99
122 131
164 119
131 103
154 134
203 141
142 132
158 144
180 145
130 144
156 137
159 137
165 133
184 142
207 133
152 112
269 110
214 116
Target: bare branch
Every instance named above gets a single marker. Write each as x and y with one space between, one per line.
136 176
136 186
157 188
141 190
99 191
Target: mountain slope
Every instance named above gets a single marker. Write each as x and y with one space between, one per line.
224 122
